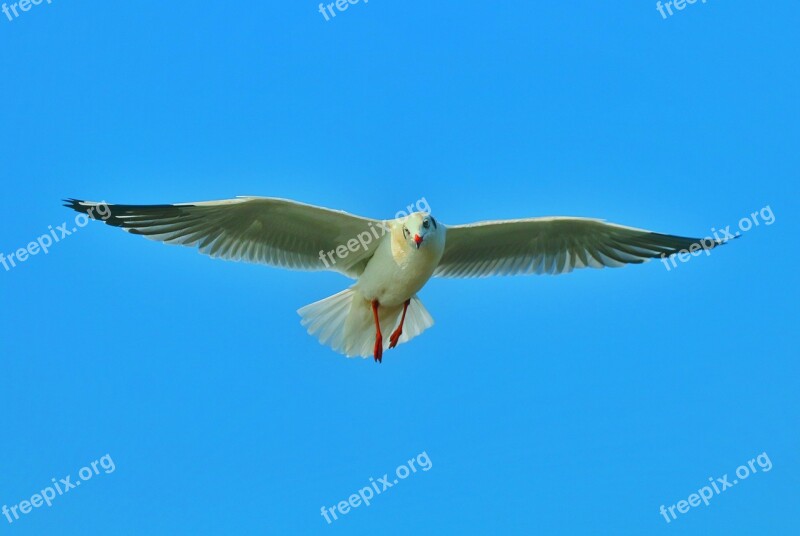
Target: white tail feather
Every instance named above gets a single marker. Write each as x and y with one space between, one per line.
344 322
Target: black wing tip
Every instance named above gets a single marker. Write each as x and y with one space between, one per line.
705 244
89 208
115 215
79 205
726 240
719 241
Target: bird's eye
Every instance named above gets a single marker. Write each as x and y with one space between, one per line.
405 232
426 223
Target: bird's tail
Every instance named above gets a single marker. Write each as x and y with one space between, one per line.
344 322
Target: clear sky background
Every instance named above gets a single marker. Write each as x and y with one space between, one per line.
576 404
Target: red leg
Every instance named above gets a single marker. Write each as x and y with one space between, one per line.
378 351
399 331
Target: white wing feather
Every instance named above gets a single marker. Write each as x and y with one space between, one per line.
271 231
551 246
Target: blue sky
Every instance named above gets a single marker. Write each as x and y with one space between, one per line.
576 404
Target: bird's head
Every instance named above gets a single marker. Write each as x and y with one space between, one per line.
420 229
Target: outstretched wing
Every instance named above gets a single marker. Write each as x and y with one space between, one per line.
271 231
552 246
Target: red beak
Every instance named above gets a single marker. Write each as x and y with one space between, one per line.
418 240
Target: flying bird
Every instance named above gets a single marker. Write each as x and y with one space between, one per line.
390 260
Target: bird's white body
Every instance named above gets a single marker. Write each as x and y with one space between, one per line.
404 259
397 271
389 268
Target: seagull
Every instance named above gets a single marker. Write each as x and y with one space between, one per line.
390 260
